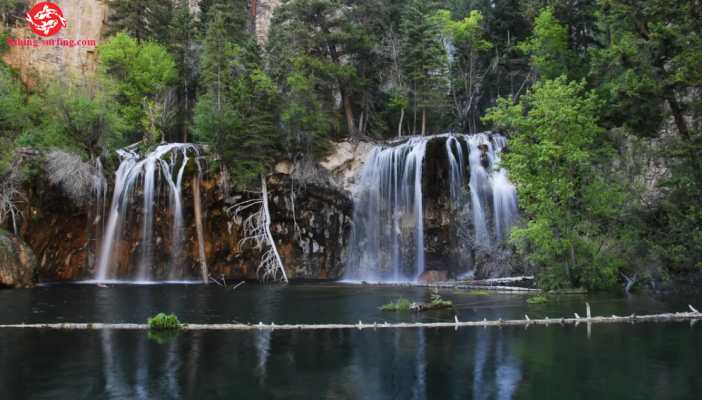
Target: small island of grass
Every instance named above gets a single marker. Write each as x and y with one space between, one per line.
538 300
404 303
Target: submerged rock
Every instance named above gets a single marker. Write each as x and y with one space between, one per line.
18 265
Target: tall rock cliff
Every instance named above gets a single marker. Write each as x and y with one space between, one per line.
85 20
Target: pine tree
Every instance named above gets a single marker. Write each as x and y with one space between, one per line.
141 19
185 52
424 56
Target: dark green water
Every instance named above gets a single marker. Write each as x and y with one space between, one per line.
616 361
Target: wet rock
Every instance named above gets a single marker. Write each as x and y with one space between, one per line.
18 265
434 276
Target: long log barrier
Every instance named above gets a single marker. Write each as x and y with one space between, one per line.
684 316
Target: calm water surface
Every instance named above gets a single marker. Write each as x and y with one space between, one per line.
614 361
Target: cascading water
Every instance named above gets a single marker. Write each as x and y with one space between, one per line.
387 240
137 170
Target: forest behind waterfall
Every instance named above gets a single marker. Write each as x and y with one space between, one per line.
601 101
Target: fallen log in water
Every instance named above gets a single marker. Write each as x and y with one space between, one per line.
684 316
460 285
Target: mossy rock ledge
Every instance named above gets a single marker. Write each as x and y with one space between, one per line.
18 264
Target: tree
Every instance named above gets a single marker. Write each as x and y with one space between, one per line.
322 35
469 65
141 71
548 47
424 57
186 53
141 19
213 111
85 114
237 110
651 71
553 160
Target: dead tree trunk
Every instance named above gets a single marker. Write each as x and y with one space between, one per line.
267 222
198 226
257 230
630 282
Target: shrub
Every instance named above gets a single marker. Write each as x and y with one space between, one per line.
80 181
164 322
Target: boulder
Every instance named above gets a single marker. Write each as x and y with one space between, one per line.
18 264
434 276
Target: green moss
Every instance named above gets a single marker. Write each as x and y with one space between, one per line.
538 300
476 292
164 322
90 325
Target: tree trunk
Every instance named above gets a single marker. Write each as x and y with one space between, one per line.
253 16
399 126
198 226
424 121
267 214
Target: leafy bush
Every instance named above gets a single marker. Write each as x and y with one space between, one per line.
164 322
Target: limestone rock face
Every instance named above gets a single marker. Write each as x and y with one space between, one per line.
264 14
18 265
85 20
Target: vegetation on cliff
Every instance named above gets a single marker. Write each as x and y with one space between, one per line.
578 87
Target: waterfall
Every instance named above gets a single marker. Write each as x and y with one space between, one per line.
387 239
141 170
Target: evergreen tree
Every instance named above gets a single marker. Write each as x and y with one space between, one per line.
424 56
141 19
186 53
322 35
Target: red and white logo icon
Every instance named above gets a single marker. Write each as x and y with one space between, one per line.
46 19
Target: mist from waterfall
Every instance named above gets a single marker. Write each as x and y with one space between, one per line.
387 239
150 172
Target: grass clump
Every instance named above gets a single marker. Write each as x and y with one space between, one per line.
403 303
538 300
164 322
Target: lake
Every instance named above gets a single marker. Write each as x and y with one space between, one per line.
612 361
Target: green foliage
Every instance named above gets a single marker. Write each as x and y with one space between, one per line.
164 322
237 111
14 112
83 115
141 72
424 57
548 47
537 300
566 198
142 19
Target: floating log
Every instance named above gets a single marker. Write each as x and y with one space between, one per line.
461 285
684 316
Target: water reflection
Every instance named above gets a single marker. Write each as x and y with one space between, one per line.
642 361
